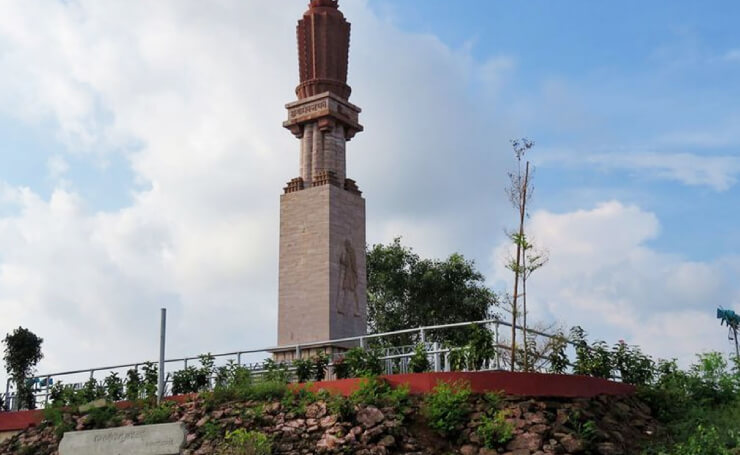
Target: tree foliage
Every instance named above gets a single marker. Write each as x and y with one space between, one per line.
406 291
22 353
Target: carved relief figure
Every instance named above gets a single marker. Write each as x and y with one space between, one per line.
348 280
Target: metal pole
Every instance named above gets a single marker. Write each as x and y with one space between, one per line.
7 394
162 331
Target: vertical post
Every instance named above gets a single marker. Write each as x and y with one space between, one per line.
160 372
239 358
7 394
498 349
48 386
437 359
362 342
298 352
422 335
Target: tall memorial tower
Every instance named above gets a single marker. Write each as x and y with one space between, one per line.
322 285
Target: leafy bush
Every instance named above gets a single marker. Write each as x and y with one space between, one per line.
594 360
473 355
447 408
493 399
113 387
91 391
133 385
276 372
495 431
704 441
320 362
480 347
419 362
363 362
558 359
378 392
56 418
158 414
151 381
103 417
341 407
341 368
303 369
243 442
633 366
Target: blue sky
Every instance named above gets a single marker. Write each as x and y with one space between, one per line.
637 73
142 156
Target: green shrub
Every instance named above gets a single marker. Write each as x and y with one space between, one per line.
158 414
594 360
480 347
91 391
320 362
150 382
633 366
133 385
447 408
363 362
341 368
558 359
419 362
341 407
265 391
113 387
103 417
57 419
495 431
243 442
303 369
493 399
704 441
276 372
211 430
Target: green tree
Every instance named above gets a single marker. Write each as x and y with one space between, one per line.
406 291
22 353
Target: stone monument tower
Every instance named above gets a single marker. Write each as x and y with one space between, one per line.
322 286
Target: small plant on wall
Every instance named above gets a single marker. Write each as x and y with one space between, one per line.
419 362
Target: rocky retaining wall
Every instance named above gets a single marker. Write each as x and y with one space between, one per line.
603 425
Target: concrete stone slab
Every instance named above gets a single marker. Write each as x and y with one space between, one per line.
163 439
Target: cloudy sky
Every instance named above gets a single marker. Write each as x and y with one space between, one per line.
142 158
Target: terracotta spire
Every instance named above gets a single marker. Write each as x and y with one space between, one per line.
323 50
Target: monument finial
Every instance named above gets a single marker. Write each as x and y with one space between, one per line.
323 50
325 3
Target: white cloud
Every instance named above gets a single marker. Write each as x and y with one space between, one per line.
733 55
192 93
719 172
604 276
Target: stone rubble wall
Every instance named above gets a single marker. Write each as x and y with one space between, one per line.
620 425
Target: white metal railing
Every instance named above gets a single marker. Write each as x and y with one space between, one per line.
395 359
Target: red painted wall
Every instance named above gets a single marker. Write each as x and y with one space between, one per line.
522 384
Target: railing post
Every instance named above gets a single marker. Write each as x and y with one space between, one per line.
422 335
46 400
7 395
92 374
362 342
437 359
498 349
298 352
447 361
